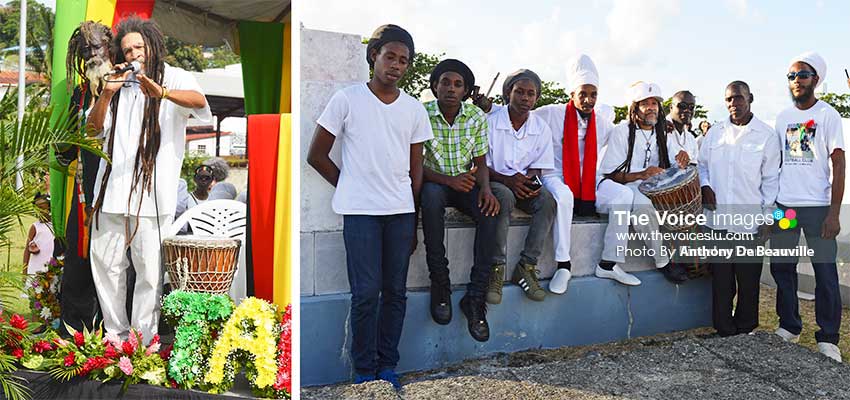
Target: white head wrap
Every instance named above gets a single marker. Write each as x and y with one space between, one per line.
582 71
815 61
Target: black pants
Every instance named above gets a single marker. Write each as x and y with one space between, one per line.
78 298
487 251
739 276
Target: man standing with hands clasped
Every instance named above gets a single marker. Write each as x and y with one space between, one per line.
739 175
811 139
380 130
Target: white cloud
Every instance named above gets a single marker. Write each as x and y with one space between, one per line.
634 26
741 8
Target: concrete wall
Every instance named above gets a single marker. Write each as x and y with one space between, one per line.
593 310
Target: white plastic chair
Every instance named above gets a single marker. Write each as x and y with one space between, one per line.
223 218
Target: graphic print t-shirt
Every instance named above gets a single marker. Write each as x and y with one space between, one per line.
807 138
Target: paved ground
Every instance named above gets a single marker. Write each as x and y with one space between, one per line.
686 365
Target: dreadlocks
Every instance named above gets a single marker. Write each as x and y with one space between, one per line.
87 34
660 130
149 139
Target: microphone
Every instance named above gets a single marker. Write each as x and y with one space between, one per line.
134 66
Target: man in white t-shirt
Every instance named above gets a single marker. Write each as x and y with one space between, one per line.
520 148
144 124
380 130
637 150
739 175
810 136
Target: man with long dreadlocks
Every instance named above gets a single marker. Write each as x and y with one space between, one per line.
637 150
142 115
88 57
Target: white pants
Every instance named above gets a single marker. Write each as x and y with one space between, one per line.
612 196
563 217
109 269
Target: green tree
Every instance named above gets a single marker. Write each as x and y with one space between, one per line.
841 102
40 21
222 56
417 78
550 93
187 56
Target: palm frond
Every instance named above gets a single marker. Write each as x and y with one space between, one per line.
14 387
65 374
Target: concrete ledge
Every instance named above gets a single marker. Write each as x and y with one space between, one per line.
592 311
323 262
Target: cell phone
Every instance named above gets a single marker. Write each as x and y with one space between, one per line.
535 183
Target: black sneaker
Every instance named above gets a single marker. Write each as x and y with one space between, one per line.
674 273
441 303
475 311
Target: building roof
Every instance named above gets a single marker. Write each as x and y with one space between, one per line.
11 78
199 136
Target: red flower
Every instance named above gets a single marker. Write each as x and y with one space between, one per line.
172 383
155 339
18 321
41 346
69 359
165 353
18 353
94 363
79 339
127 348
810 124
110 351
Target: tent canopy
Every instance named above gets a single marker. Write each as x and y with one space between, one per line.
214 22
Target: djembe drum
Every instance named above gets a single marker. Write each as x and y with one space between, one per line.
677 191
201 263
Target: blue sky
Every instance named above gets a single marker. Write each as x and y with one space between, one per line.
695 45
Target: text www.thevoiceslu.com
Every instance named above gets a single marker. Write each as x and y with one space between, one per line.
686 236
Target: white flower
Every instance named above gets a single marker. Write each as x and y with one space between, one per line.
45 313
54 283
38 290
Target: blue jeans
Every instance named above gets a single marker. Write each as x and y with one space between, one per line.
377 252
784 271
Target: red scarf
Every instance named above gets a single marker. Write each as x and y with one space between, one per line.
582 183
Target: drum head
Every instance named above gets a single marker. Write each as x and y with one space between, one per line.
670 178
201 241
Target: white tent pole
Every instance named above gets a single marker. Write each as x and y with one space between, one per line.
22 86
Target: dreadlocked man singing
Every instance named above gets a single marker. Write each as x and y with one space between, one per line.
142 117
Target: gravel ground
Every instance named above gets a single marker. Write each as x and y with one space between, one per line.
694 364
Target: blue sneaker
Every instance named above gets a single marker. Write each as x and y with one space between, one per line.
358 379
391 377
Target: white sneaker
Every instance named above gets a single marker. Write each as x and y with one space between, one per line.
787 336
560 281
618 275
830 350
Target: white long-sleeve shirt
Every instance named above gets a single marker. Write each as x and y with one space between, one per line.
741 165
172 122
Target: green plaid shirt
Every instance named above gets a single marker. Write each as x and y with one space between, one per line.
454 146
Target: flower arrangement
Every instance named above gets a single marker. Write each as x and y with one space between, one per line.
283 383
14 334
197 318
248 338
43 292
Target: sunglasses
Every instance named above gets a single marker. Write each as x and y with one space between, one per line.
686 106
801 75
